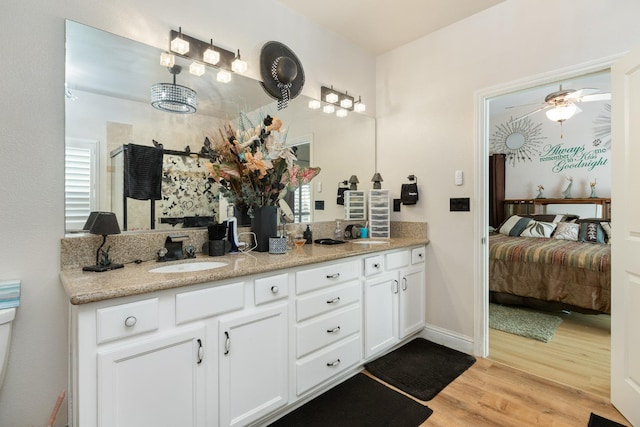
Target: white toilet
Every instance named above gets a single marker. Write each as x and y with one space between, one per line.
6 318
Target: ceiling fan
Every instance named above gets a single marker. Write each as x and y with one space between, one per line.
561 105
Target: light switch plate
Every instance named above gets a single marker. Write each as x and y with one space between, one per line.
459 177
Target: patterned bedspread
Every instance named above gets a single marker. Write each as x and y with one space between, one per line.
589 256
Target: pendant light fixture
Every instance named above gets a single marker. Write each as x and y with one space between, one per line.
174 98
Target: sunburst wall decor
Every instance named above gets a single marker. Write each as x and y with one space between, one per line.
519 140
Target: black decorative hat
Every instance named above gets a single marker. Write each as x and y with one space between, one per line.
281 72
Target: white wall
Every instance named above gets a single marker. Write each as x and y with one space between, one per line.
32 141
425 112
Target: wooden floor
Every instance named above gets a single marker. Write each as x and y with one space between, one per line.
579 354
491 394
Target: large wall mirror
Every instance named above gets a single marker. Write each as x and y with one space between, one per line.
107 106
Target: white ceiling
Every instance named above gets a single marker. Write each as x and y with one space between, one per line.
380 26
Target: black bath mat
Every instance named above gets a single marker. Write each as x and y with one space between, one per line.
421 368
358 402
598 421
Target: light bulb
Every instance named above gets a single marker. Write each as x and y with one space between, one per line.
562 112
211 56
196 68
179 45
223 76
167 59
238 65
331 97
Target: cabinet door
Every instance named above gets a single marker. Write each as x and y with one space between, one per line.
380 313
412 300
253 365
156 382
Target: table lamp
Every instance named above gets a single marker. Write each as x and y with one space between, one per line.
102 223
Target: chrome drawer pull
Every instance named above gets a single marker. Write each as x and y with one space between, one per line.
334 363
130 321
404 283
333 276
334 330
274 289
334 301
394 288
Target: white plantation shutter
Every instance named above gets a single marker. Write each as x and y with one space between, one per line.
302 203
80 182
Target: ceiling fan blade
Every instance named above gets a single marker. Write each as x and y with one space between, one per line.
595 97
521 105
517 119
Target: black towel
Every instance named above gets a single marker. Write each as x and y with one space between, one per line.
142 172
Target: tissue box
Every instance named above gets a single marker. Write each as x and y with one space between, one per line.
9 294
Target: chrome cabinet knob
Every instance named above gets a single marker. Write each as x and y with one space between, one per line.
274 289
130 321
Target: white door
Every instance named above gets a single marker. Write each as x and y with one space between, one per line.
253 365
625 249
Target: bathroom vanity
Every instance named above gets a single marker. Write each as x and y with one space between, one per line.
237 345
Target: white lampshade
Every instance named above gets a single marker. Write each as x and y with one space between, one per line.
179 45
560 113
359 107
196 68
341 112
329 109
238 65
223 76
167 59
332 98
211 56
314 104
346 103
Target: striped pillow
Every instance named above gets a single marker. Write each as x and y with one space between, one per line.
514 225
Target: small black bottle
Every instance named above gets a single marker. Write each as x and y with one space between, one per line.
307 235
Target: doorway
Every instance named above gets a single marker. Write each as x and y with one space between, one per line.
508 95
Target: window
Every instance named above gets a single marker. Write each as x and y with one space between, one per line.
302 203
80 182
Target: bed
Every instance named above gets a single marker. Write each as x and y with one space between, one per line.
550 273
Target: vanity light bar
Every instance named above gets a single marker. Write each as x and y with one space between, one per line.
198 48
332 96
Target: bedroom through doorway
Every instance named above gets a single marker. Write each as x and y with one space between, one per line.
555 169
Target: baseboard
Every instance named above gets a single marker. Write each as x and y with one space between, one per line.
448 338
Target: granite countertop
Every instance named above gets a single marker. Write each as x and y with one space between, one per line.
135 279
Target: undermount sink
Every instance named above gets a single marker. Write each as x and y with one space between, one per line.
188 267
368 242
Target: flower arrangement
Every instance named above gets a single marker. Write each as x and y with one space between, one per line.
253 166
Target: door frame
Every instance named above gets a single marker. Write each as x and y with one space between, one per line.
481 185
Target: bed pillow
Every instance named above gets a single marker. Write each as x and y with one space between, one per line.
591 232
538 229
514 225
567 231
606 226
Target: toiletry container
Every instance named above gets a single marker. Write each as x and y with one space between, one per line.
6 318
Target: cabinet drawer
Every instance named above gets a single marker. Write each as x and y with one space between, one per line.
127 319
331 274
373 265
327 300
209 302
327 329
417 255
398 259
271 288
325 364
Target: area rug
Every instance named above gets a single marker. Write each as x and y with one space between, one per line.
598 421
421 368
359 401
523 322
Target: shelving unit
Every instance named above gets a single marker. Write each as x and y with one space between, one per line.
379 213
355 205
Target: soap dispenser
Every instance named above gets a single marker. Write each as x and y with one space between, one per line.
307 235
337 234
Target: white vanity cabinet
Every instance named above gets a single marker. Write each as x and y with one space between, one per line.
328 322
394 298
253 356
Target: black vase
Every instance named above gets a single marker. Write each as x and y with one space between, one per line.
264 224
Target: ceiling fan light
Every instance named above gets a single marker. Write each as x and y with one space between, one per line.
560 113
